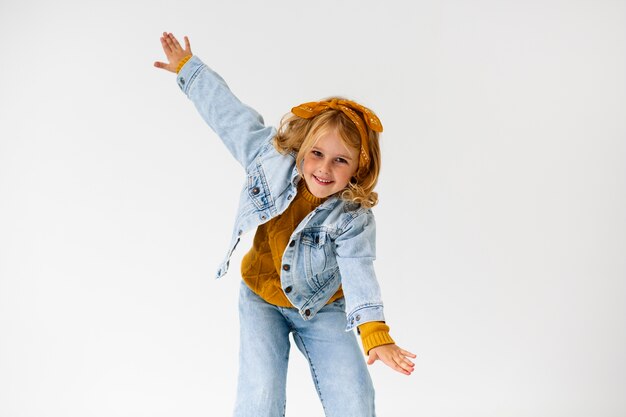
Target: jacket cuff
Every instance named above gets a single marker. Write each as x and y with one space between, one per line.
188 72
365 314
374 334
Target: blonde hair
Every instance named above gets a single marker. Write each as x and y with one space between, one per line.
299 135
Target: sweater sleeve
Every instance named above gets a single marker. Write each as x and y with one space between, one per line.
182 63
374 334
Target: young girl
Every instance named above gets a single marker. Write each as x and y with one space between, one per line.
308 193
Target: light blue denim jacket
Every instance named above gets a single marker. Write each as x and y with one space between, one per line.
334 244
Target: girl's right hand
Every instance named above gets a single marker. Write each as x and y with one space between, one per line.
173 51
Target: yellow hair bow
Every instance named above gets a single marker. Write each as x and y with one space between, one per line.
350 109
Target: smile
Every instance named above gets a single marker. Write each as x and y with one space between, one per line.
321 181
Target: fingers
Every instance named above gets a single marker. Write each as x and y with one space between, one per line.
407 353
405 363
396 359
165 46
168 42
163 65
398 365
175 41
171 42
402 369
402 364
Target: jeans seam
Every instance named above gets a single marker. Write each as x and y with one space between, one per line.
292 326
315 381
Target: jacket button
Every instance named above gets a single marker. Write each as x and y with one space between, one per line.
292 243
288 289
286 267
255 190
307 312
289 197
358 317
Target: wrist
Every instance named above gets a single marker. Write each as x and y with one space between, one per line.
182 62
374 334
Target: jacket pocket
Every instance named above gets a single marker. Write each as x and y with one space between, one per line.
319 259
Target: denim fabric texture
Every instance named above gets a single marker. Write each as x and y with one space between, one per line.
333 245
337 365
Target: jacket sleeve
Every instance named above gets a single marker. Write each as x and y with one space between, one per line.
356 250
240 127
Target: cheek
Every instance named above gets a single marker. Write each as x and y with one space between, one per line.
350 171
345 174
306 165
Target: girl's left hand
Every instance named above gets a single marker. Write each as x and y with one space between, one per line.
394 357
174 52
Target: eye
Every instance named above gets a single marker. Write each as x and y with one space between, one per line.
317 153
341 161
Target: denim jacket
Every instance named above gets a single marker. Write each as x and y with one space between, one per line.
334 244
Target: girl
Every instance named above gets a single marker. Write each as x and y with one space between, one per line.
308 193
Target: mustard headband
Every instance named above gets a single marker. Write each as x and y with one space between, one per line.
350 109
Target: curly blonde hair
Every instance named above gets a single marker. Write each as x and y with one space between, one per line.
298 135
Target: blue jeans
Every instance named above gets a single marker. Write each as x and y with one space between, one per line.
337 365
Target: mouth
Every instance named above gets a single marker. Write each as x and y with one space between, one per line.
321 181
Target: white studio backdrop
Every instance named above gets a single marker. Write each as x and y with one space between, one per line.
501 224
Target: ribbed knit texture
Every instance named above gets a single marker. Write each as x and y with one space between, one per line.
182 62
373 334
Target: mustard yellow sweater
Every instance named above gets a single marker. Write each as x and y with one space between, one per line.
261 265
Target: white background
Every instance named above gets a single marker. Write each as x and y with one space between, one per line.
501 223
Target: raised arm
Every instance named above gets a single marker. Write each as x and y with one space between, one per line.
239 127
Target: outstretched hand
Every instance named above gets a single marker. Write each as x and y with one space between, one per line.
173 51
394 357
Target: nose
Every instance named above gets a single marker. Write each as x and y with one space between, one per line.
325 167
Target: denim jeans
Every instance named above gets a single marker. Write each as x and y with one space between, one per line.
337 364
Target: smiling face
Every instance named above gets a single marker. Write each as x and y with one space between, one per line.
329 165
